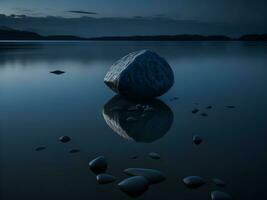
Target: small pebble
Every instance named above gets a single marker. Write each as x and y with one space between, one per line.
98 165
134 157
195 111
57 72
154 156
134 186
230 106
74 151
204 114
174 98
40 148
209 107
218 195
194 181
152 175
219 182
64 139
105 178
197 139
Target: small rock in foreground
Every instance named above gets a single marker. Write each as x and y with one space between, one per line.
219 182
218 195
152 175
105 178
154 156
195 111
64 139
40 148
74 151
134 157
57 72
197 139
139 75
98 165
194 181
134 186
230 106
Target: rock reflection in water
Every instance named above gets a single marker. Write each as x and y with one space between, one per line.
141 121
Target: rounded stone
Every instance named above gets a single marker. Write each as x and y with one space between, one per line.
219 182
98 165
194 181
134 186
64 139
218 195
105 178
154 155
140 74
197 139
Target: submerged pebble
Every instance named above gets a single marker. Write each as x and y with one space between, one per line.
230 106
152 175
57 72
98 165
105 178
64 139
197 139
209 107
154 156
74 151
174 98
134 157
219 182
204 114
134 186
40 148
194 181
218 195
195 111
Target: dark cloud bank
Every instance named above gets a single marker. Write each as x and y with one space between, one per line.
94 27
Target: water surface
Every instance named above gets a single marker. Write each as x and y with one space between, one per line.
37 107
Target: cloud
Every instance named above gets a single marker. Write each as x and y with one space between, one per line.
82 12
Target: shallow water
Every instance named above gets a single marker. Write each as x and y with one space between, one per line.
37 107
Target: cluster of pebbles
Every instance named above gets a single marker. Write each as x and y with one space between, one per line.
138 180
204 114
62 139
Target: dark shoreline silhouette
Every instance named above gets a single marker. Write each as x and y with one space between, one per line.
11 34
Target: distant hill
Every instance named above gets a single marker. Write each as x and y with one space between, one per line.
10 34
7 33
167 38
255 37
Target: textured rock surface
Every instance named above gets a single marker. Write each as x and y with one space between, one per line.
141 74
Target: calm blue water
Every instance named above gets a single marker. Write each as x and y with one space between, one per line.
36 107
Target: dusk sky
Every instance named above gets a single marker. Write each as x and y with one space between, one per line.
132 17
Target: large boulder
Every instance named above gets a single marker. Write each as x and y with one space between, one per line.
141 74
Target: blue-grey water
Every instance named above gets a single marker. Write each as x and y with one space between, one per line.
37 107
